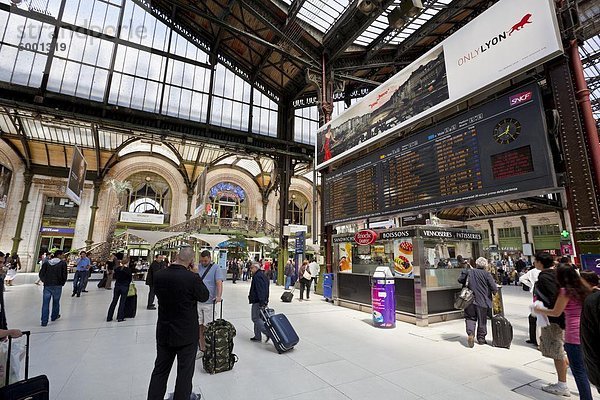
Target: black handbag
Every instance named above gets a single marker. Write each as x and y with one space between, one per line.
465 298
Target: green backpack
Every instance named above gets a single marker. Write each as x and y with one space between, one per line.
219 335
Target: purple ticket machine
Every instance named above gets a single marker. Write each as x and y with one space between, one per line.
382 298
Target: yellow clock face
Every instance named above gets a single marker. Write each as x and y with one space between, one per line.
507 131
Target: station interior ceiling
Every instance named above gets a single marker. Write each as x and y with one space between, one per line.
276 45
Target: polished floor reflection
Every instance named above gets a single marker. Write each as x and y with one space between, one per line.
340 355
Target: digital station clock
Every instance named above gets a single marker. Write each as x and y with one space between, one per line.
507 131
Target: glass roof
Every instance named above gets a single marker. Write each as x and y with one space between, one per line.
249 164
590 51
322 14
397 36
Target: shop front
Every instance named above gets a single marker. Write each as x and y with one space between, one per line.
425 264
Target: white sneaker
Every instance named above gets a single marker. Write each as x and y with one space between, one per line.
557 390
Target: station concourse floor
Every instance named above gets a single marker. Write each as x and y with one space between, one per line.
340 355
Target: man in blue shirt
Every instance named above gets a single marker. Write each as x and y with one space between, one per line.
212 276
82 265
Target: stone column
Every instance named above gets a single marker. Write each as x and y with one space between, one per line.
94 207
24 202
190 199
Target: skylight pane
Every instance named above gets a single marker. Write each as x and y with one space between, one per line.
398 36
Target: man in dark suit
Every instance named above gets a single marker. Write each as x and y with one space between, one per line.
178 290
258 297
156 266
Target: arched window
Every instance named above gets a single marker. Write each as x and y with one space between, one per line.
227 200
299 209
151 194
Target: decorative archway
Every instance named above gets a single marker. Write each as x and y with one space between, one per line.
227 200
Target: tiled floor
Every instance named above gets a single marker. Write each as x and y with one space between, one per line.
340 355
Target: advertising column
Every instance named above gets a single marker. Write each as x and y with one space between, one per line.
299 250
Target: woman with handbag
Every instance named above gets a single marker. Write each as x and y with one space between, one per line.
482 285
573 292
305 279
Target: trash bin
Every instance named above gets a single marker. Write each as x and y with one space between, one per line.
328 287
382 298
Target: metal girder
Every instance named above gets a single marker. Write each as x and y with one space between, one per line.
293 11
224 14
18 124
350 25
96 137
455 8
256 8
194 33
241 32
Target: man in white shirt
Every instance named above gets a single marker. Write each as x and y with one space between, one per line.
529 279
313 268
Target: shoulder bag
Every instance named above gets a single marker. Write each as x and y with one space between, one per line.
465 298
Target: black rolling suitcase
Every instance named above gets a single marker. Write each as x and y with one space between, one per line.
502 332
279 330
37 388
287 296
130 306
102 282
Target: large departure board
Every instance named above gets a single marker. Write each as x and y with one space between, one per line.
497 150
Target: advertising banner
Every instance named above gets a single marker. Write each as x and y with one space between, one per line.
76 176
591 262
142 218
5 176
384 304
403 258
510 37
345 261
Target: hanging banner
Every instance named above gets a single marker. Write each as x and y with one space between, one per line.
5 177
507 39
76 176
200 193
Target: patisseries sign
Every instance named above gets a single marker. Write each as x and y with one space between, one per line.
510 37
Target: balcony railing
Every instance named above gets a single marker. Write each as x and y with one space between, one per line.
208 224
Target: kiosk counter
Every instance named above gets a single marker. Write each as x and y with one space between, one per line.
426 262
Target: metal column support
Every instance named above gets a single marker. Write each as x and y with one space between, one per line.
526 232
285 170
492 233
582 196
21 219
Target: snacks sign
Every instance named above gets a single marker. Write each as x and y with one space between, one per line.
365 237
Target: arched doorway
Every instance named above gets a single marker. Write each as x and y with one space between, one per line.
227 200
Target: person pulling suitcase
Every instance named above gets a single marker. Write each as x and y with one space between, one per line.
258 298
482 284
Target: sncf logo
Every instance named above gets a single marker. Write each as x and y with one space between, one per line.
520 98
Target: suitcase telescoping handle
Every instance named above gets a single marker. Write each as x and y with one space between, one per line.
7 372
215 306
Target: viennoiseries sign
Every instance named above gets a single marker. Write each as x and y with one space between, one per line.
510 37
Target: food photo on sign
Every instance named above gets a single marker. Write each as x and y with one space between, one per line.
403 258
345 262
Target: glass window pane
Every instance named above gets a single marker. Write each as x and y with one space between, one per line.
9 54
99 84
